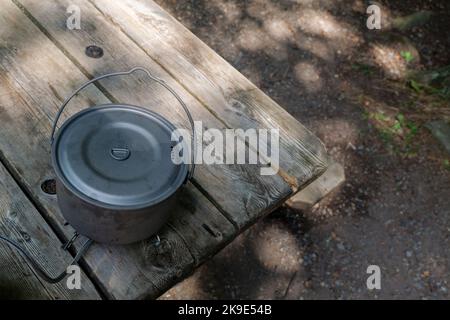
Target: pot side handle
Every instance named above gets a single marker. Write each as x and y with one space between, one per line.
39 270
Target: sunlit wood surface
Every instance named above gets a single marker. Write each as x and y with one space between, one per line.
42 62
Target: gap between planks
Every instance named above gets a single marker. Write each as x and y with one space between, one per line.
19 216
288 179
73 60
207 194
223 88
114 100
15 176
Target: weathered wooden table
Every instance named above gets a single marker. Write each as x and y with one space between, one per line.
42 61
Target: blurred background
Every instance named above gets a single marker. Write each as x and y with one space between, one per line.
379 100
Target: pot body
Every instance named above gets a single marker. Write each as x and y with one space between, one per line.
113 226
116 178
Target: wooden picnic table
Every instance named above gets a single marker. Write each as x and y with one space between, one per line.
42 62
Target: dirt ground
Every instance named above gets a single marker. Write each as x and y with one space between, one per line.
349 85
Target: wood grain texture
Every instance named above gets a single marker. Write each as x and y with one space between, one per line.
217 85
34 76
41 62
21 222
248 194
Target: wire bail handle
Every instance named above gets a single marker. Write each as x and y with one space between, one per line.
159 81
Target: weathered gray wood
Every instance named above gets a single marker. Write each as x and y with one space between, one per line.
144 270
21 222
194 228
34 76
220 87
329 181
241 192
41 65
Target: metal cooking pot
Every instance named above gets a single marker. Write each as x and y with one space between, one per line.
115 180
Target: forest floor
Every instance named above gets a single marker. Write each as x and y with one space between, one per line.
353 88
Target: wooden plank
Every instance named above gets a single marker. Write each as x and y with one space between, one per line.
34 76
20 221
240 191
194 228
220 87
230 193
144 270
328 182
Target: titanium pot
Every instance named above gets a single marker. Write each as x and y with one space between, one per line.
115 180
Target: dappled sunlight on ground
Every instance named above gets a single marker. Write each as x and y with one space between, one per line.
339 132
389 60
349 85
325 25
317 47
309 76
276 249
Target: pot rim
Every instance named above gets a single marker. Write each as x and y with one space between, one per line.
61 177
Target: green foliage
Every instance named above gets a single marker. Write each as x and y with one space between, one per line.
396 132
416 86
380 116
407 55
434 82
446 164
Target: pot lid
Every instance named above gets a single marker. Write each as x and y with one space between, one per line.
117 156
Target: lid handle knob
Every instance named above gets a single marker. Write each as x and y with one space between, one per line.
120 154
